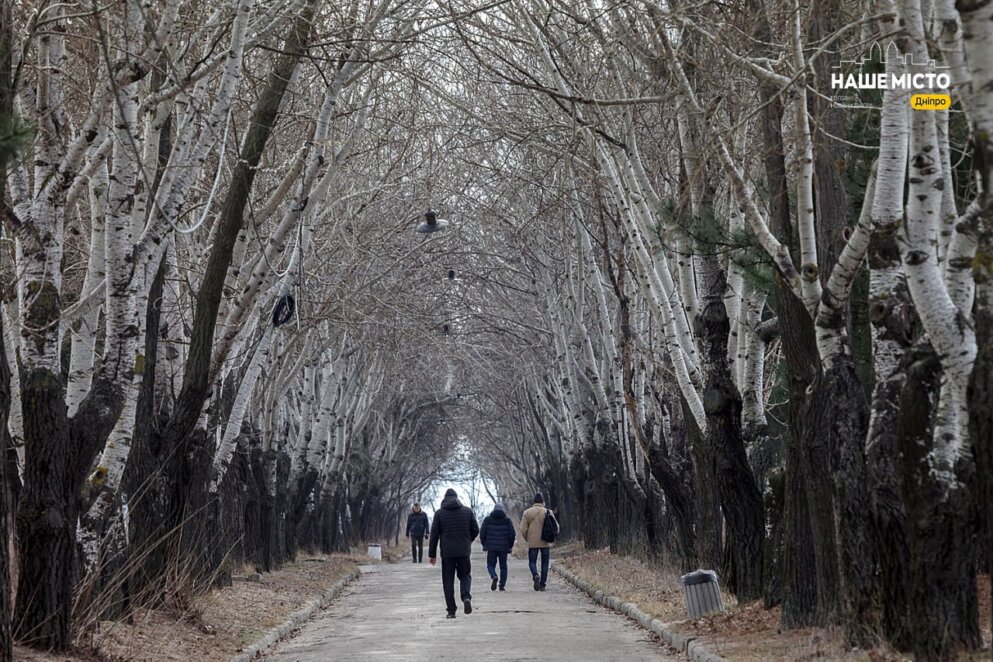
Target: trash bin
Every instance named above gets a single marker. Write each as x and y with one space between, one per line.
702 592
375 551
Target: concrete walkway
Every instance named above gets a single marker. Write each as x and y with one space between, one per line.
397 612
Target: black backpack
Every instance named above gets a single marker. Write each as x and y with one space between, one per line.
550 528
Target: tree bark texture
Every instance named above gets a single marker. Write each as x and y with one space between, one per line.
740 498
976 21
942 531
6 108
196 383
159 474
6 639
802 545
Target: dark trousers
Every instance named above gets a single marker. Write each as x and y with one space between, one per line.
417 548
491 562
450 567
533 562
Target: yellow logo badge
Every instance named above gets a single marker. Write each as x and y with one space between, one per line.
930 102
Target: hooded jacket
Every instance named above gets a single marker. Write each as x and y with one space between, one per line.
455 527
417 524
497 532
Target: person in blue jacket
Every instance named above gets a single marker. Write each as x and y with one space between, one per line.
417 531
497 534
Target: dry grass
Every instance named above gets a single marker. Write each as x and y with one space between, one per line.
22 654
744 633
224 621
751 633
221 623
394 553
653 587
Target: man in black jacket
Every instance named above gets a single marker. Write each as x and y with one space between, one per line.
417 531
455 527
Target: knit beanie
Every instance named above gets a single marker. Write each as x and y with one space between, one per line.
538 498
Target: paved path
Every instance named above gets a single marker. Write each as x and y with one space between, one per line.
397 612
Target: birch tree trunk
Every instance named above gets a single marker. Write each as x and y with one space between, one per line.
46 512
938 474
195 378
6 113
892 320
15 421
722 442
154 515
741 500
977 24
84 337
802 546
6 641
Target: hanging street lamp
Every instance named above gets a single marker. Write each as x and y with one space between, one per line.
431 222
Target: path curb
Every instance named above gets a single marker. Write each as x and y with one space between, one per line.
687 645
282 631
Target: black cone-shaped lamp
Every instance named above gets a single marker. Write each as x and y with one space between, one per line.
431 222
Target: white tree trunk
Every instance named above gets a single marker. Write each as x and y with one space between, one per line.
948 327
84 338
15 419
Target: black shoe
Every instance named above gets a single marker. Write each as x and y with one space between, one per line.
450 616
467 605
542 588
493 584
537 583
502 588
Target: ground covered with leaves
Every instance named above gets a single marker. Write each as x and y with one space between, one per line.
221 623
743 633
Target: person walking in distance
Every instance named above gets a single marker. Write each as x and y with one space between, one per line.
497 535
532 524
455 527
417 531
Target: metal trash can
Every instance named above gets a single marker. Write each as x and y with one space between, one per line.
375 551
702 593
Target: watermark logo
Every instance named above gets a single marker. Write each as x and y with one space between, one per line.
926 82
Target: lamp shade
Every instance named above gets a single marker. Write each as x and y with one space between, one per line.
431 222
